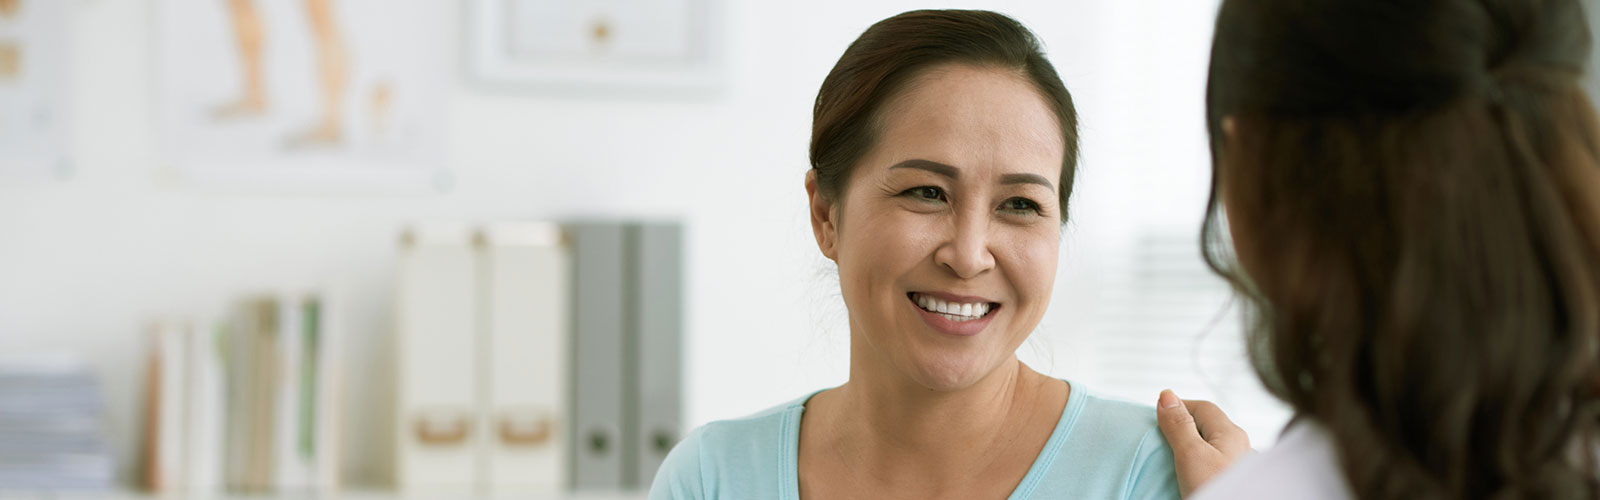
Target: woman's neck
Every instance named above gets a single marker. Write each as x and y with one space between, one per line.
906 415
889 424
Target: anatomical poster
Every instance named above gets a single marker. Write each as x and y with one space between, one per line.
302 94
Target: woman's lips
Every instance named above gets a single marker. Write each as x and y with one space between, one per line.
954 317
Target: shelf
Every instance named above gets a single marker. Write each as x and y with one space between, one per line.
351 495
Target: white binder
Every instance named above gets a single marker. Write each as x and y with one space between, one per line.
438 433
525 311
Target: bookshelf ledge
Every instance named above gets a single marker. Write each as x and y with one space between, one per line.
349 495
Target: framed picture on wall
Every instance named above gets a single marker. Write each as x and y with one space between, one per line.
303 96
33 89
649 45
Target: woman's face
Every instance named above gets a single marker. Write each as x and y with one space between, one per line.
955 211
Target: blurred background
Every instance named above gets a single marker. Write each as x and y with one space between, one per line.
163 160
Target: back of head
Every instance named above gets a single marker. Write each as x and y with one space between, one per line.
1416 190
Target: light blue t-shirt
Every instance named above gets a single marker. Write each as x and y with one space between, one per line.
1100 449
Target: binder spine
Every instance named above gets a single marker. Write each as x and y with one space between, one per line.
656 346
598 398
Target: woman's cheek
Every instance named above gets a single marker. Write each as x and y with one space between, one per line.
1036 258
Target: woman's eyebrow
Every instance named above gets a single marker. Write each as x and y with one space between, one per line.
1027 179
955 173
931 166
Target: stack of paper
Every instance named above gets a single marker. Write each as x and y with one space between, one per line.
51 435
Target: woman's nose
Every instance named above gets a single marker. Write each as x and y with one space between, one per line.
967 253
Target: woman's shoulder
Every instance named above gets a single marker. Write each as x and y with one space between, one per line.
1108 449
762 427
1303 464
1114 419
758 432
727 457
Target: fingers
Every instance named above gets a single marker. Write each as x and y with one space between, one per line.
1204 442
1177 424
1215 427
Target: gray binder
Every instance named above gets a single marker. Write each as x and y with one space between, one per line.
598 401
656 342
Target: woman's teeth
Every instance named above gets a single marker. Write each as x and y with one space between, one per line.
952 311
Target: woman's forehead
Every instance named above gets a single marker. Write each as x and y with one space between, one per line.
972 118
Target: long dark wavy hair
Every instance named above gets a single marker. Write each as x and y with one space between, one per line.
1414 191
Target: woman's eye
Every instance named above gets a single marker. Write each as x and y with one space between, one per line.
1021 205
929 193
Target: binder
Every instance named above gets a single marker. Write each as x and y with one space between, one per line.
598 400
525 285
655 341
438 429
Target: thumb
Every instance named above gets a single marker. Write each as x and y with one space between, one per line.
1176 422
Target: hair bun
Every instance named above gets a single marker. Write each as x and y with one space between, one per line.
1545 43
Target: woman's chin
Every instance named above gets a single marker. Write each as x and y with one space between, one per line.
951 373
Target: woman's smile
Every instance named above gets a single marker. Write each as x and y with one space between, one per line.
962 316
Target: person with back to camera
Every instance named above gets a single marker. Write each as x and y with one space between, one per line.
1413 194
943 151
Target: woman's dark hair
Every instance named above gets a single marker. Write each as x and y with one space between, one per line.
877 66
1416 192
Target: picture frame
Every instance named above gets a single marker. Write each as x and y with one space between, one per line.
672 46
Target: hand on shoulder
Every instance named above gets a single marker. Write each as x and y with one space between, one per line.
1204 442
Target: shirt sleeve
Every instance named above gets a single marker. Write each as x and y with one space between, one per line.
1153 476
680 477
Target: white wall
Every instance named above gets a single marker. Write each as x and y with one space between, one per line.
85 262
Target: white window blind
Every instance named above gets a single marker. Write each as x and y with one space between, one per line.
1162 319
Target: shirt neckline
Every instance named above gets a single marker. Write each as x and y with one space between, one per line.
789 445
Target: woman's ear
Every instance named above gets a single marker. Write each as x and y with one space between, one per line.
823 225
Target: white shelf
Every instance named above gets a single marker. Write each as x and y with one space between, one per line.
350 495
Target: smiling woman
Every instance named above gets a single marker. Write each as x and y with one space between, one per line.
943 152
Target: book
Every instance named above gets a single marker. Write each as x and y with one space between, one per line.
326 392
205 409
165 444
